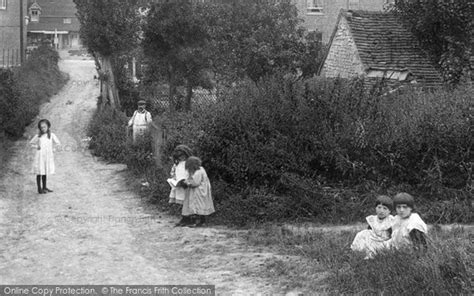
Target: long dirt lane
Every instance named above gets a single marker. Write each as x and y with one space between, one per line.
93 230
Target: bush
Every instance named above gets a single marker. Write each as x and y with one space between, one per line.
290 139
25 88
139 155
108 135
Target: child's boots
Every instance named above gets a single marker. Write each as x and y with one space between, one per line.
199 222
38 183
185 220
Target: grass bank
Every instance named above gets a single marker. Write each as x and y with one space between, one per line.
320 261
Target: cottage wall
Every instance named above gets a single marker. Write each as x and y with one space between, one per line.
10 29
325 21
342 59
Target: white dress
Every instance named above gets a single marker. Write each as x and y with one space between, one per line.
178 173
198 199
401 231
43 163
372 240
140 122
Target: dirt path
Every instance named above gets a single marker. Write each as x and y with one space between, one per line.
93 230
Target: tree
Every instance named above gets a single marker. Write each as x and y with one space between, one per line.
258 38
445 29
108 28
175 42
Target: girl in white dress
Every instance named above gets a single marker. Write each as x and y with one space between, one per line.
198 200
409 230
178 176
43 164
379 230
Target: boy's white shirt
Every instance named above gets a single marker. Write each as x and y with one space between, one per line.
140 118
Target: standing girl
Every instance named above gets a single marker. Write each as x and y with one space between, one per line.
178 176
199 197
43 164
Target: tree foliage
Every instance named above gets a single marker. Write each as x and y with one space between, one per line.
258 38
193 44
108 26
445 29
175 42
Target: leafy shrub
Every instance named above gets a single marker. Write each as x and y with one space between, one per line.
24 89
139 155
108 135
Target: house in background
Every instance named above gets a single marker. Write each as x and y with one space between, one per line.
55 21
376 45
12 32
321 15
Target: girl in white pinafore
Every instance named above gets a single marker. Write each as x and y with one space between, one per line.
178 175
379 229
43 164
198 200
409 230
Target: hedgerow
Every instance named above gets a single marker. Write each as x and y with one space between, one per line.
24 89
281 142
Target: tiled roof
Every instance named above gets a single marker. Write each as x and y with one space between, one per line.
53 12
51 23
384 43
62 8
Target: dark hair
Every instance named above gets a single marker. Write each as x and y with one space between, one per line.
49 127
181 149
385 201
404 199
193 164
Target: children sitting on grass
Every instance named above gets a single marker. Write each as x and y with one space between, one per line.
406 231
379 230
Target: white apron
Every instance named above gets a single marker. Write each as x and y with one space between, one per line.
401 231
140 123
179 172
372 240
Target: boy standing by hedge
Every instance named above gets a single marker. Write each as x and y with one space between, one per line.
140 121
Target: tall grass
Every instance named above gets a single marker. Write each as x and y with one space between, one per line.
445 269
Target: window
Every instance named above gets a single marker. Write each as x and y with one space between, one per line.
34 15
67 21
3 4
354 4
314 6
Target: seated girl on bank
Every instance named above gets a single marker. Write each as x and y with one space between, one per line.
409 230
379 228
